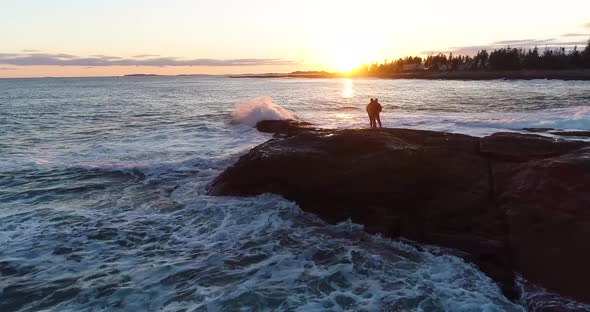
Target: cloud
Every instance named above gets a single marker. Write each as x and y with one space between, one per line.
587 25
461 50
520 43
30 51
575 35
107 57
7 68
61 59
145 55
469 50
523 42
566 44
513 41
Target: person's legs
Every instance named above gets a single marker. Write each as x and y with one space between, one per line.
379 120
371 121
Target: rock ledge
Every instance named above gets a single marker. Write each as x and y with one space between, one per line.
513 202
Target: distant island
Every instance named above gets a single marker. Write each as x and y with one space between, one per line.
504 63
159 75
140 75
297 74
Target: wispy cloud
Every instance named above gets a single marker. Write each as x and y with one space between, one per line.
576 35
107 57
145 55
61 59
566 44
30 51
587 25
7 68
469 50
518 43
523 42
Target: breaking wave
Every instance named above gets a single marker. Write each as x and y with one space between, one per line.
258 109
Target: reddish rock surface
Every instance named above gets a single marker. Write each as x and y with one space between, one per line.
514 203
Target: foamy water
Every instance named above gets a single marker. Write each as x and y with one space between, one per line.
103 205
252 111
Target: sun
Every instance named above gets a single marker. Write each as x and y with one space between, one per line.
348 47
345 57
346 61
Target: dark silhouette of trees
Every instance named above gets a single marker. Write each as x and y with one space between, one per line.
498 60
480 61
532 60
505 59
586 56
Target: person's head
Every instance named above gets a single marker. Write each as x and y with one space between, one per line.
376 100
372 100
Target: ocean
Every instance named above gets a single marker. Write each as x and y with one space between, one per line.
103 203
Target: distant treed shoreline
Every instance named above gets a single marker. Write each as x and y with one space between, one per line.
504 59
504 63
572 74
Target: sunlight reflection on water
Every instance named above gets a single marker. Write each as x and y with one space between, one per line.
348 90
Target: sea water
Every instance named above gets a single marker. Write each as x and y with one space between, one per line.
103 203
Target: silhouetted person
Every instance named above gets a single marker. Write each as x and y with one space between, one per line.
379 108
370 112
374 109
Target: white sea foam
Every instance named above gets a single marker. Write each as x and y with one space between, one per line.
261 108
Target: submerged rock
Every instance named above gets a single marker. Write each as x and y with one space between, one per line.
513 202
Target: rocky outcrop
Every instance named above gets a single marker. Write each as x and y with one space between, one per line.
288 126
513 203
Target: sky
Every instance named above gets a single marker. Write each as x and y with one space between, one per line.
40 38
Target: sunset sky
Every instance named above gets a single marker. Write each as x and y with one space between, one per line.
114 37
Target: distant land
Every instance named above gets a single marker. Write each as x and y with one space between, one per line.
140 75
297 74
504 63
157 75
574 74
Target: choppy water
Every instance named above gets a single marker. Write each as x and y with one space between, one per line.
103 205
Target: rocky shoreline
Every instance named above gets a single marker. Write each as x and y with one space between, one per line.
514 203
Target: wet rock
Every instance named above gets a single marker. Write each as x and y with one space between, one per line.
282 126
524 147
512 202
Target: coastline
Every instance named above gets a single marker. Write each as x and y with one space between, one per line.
577 74
565 75
505 200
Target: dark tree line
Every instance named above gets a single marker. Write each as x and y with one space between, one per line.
497 60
